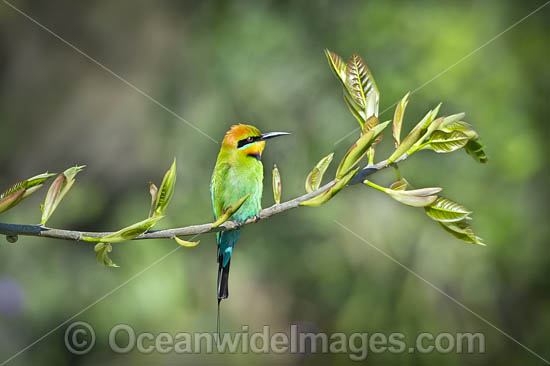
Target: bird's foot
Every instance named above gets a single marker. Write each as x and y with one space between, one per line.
251 220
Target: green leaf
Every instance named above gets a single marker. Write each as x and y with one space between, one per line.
398 118
462 230
361 86
21 190
371 123
444 142
453 120
277 185
337 65
431 125
37 180
57 191
14 188
102 251
166 191
9 200
414 137
416 197
476 149
185 243
315 177
128 233
359 148
28 184
229 211
358 114
445 210
331 192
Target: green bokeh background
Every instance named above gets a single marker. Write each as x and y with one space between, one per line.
218 62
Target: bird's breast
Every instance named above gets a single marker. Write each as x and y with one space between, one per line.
243 181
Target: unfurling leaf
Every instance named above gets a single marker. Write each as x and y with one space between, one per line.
463 231
185 243
416 197
370 123
277 185
128 233
153 190
229 211
315 177
102 251
21 190
36 182
445 210
358 149
453 120
398 118
415 136
331 192
432 124
57 191
361 86
475 149
438 138
166 191
444 142
10 200
474 146
337 65
358 114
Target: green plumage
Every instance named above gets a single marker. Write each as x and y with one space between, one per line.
234 177
238 172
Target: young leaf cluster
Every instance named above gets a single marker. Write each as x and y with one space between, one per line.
440 134
21 190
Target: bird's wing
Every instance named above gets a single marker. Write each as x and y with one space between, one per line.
219 177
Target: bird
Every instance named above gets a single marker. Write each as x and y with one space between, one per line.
238 172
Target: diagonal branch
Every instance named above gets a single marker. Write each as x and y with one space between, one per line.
12 231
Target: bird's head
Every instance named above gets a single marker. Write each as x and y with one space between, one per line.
247 140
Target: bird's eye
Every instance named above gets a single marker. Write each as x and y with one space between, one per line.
250 139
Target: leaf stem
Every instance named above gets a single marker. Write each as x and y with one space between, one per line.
374 185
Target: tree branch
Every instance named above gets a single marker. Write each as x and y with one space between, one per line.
12 231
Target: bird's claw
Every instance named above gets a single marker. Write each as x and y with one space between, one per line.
251 220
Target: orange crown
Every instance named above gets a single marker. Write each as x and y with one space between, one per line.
239 132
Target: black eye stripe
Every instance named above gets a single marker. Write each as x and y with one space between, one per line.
246 141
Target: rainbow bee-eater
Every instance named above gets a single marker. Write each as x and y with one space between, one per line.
238 172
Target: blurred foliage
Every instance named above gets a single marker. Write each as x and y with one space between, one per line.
218 62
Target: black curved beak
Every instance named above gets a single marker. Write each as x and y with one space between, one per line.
270 135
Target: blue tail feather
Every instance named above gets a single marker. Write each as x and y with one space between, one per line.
226 243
